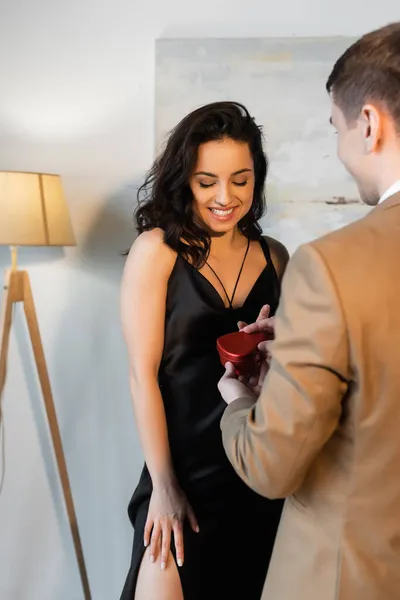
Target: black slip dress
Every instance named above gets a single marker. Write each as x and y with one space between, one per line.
229 558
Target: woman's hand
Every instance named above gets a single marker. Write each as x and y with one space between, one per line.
264 323
168 510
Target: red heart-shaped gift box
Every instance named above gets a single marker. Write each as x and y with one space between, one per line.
240 349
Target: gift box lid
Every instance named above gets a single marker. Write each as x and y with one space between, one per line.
238 345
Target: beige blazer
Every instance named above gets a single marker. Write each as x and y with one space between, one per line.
325 431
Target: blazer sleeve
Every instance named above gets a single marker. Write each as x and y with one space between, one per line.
272 442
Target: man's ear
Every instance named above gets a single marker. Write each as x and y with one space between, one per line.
371 127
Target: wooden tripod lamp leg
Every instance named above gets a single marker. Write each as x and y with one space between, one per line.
5 327
18 289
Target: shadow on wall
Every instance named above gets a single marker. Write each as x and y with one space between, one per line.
92 380
111 233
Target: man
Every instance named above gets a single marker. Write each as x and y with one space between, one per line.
325 430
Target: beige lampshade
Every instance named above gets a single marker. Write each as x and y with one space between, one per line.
33 211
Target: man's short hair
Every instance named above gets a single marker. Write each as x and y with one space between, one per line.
369 71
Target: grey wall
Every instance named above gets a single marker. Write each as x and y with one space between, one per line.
77 98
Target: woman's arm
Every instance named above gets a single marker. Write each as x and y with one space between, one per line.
143 298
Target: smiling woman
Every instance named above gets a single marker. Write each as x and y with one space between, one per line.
218 148
199 265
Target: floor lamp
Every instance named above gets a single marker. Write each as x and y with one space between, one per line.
33 212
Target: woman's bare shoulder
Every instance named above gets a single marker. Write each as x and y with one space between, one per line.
150 243
150 251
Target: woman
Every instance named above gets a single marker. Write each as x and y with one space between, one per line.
198 267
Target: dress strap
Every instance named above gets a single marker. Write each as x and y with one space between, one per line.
265 248
230 300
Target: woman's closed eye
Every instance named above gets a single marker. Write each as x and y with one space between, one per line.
206 185
237 183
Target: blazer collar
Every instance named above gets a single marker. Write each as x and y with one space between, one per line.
390 202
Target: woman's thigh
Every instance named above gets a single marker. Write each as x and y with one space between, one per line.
155 584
